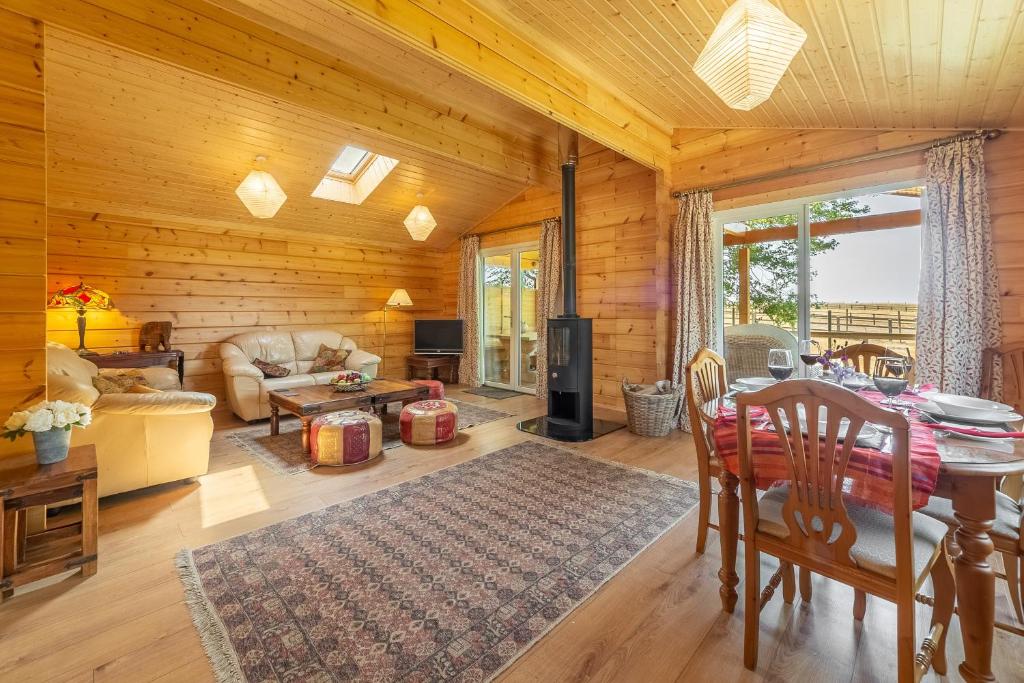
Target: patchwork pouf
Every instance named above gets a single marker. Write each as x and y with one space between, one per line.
346 438
436 387
427 423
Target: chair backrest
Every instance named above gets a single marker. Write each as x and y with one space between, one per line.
705 381
815 511
747 346
863 355
1011 358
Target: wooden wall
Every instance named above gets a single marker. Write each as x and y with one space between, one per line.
213 285
22 219
708 157
621 255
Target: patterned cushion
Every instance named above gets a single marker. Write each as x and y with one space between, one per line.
436 387
427 423
329 360
117 384
346 438
271 370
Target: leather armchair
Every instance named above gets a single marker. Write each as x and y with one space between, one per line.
246 386
141 439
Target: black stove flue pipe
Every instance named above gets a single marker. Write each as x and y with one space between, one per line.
568 144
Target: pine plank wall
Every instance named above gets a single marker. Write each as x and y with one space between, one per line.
22 219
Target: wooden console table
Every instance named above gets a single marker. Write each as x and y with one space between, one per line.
432 365
175 358
23 484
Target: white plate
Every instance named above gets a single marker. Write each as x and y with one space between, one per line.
867 431
966 407
756 382
994 418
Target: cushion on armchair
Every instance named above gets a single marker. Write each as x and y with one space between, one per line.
117 384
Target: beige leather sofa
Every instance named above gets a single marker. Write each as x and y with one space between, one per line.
141 439
247 388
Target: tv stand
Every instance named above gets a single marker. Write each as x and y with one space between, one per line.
433 364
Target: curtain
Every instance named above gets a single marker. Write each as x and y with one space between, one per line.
693 283
958 313
469 311
549 293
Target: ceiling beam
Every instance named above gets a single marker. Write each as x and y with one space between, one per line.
469 41
204 39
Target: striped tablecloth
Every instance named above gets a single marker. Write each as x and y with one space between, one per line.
868 476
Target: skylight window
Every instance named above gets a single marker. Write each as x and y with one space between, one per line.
350 161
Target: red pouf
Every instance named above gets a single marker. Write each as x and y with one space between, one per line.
345 438
427 423
436 387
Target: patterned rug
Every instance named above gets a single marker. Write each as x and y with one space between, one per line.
283 453
451 576
493 392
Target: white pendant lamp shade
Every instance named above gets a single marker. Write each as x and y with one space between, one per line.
260 193
399 297
748 53
420 223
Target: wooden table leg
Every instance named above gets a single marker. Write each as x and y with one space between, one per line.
9 549
728 536
974 508
305 434
275 424
4 570
90 526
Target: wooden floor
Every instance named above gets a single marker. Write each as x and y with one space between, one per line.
659 619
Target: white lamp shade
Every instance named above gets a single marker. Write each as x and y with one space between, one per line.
420 223
748 53
399 297
261 194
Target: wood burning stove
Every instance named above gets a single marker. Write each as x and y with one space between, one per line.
569 337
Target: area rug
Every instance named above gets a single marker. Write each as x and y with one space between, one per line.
283 453
493 392
450 576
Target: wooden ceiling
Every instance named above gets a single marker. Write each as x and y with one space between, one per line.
136 137
866 63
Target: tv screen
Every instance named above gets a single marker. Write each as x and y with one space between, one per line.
437 336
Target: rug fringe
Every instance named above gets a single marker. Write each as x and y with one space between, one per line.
212 631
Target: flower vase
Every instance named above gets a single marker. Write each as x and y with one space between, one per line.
52 446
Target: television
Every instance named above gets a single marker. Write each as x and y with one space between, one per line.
437 336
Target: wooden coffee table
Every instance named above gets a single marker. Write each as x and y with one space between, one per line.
308 402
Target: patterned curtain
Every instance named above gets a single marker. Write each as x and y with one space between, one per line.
958 304
469 311
549 293
693 284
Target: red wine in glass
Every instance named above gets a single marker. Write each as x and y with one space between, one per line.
810 351
780 372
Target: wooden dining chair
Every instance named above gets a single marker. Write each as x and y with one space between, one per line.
1012 357
705 381
808 522
863 355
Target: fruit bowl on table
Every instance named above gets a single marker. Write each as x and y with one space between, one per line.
350 380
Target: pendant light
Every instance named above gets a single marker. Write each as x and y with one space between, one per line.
260 192
420 223
748 53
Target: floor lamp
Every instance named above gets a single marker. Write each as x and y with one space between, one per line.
399 298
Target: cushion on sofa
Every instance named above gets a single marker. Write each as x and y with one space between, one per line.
117 383
329 360
271 369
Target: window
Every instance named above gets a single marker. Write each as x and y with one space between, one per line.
839 269
354 175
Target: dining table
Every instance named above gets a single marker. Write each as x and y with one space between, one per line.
969 476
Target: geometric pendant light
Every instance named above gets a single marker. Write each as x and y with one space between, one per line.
260 192
748 53
420 223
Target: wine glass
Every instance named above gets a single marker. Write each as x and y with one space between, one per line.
891 375
810 351
780 363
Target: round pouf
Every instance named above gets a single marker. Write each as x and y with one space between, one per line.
346 438
436 387
427 423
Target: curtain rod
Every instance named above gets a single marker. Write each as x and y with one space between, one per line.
896 151
510 228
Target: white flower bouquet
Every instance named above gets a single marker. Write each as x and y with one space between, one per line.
47 415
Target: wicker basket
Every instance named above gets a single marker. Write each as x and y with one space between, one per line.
350 387
652 410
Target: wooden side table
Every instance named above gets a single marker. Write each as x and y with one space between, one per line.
432 365
175 358
24 484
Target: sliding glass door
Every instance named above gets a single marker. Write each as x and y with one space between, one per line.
836 270
509 316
